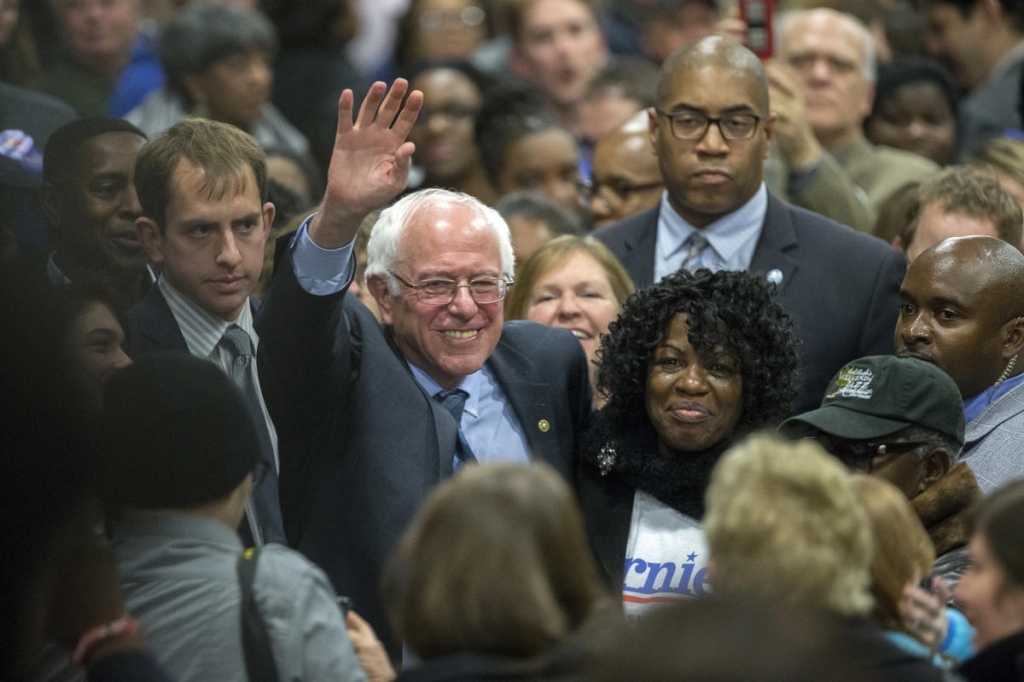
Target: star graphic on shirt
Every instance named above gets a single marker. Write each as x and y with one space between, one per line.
691 557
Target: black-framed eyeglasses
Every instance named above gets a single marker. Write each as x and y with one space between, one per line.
484 290
693 125
620 190
863 456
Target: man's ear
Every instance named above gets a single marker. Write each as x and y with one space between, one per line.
49 199
769 133
151 238
1013 338
652 128
869 100
936 465
269 211
379 290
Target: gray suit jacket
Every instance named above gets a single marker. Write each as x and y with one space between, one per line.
841 287
994 442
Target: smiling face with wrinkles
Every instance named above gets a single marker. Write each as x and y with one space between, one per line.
450 242
693 402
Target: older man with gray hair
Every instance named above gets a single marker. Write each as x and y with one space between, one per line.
821 94
371 417
902 420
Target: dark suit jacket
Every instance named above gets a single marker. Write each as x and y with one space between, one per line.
607 504
152 327
841 287
362 444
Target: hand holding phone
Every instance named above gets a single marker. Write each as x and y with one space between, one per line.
758 15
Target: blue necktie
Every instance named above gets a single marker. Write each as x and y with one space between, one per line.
265 505
455 402
698 242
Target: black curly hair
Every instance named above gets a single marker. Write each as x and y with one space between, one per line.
730 310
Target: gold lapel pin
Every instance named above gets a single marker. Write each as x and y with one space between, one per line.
544 426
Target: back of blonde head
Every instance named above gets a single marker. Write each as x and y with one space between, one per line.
783 522
903 551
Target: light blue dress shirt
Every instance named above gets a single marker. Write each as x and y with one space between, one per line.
731 239
488 422
976 405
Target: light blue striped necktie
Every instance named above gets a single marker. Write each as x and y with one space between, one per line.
698 242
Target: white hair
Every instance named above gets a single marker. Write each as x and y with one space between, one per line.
784 20
385 240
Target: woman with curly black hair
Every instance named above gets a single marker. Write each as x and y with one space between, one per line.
691 365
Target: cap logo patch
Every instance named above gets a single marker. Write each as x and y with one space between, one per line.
853 382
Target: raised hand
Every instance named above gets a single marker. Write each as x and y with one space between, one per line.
793 133
924 614
731 26
370 162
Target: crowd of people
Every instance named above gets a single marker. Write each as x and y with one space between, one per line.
512 340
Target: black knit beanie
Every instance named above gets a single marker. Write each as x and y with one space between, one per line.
176 433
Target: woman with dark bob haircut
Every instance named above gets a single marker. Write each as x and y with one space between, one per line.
493 579
219 64
691 365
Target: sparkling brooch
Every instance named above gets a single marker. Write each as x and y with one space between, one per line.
606 459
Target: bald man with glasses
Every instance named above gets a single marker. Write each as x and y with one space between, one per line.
710 130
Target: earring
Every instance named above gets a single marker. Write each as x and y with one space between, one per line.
1006 373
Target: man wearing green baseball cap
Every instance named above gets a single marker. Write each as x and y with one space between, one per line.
902 419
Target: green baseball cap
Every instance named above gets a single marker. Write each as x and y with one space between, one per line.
882 394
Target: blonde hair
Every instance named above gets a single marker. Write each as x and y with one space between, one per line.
782 521
902 546
496 561
553 254
1002 156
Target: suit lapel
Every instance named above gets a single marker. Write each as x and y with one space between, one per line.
639 246
777 240
155 325
528 395
1009 405
445 427
608 511
610 535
